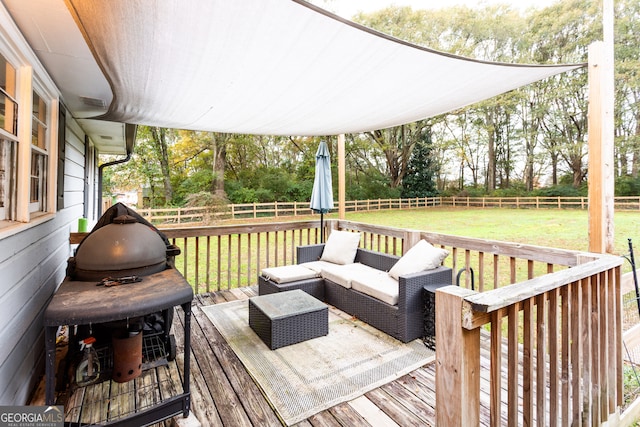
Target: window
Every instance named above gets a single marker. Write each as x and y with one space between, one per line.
39 155
8 142
8 104
8 161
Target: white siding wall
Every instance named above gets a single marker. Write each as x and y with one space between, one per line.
32 265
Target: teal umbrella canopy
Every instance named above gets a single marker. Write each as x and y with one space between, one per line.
322 193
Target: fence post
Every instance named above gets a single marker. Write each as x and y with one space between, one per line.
457 362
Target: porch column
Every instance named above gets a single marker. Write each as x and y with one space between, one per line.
601 135
457 362
341 178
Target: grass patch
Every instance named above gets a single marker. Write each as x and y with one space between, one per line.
563 229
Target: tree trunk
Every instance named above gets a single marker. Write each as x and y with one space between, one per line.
635 165
219 147
159 141
554 168
491 154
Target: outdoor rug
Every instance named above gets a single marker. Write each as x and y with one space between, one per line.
305 378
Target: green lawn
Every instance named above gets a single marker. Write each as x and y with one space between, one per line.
565 229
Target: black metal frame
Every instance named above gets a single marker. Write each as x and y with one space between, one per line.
172 290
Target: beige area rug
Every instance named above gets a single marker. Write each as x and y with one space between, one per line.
305 378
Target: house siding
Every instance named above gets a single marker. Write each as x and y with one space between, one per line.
32 266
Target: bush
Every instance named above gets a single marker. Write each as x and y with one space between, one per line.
561 191
243 195
627 186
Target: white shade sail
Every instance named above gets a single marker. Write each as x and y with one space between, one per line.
275 67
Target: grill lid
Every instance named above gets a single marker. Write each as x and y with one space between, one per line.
124 247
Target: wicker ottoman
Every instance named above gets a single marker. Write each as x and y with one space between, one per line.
287 318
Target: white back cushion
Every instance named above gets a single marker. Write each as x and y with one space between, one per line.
341 247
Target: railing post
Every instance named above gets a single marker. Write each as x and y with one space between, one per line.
457 362
409 239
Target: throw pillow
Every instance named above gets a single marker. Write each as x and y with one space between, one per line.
422 256
341 247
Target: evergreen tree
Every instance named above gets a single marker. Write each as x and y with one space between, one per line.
421 170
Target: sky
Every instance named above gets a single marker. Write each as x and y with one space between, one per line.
348 8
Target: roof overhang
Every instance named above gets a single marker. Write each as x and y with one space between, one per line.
53 35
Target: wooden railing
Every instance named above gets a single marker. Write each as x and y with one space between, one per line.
217 258
562 344
525 296
553 316
188 215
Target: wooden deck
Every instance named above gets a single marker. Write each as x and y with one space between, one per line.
223 393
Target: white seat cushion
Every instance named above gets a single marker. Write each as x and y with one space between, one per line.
317 266
422 256
343 274
380 286
288 273
341 247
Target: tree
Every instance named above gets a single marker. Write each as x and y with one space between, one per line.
419 179
627 83
215 145
397 144
149 166
562 33
158 139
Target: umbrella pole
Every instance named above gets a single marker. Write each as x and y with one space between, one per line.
321 227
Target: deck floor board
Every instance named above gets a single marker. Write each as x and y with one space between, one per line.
224 394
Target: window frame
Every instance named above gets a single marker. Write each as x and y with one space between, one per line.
30 77
9 143
39 175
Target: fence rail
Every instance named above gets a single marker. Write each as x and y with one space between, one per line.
188 215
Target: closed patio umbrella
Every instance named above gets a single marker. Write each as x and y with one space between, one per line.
322 193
